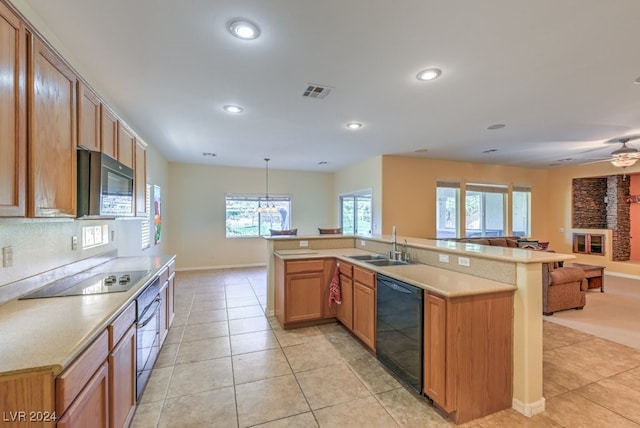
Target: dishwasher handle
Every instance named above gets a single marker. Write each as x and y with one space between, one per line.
399 287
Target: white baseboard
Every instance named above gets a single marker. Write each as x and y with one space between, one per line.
221 267
530 409
622 275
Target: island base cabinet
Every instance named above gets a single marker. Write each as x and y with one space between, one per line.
345 309
91 407
364 314
468 351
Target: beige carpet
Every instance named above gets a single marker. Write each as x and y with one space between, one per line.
612 315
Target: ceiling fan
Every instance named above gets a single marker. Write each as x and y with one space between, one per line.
624 156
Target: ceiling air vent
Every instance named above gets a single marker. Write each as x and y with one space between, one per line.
316 91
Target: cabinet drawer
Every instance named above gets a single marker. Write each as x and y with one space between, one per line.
305 266
364 277
119 327
75 377
346 269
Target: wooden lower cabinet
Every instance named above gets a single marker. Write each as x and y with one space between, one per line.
171 302
435 341
91 407
364 306
468 354
345 309
304 293
122 380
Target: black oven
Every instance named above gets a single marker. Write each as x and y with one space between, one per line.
148 331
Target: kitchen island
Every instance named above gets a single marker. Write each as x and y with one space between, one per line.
59 354
471 264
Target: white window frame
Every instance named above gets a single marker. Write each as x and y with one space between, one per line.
364 194
442 184
260 218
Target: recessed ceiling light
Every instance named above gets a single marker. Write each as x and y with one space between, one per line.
429 74
244 29
496 126
637 81
232 109
354 125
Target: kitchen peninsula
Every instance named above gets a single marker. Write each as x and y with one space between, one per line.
452 271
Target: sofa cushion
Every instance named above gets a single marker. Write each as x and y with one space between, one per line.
566 274
480 241
512 243
498 242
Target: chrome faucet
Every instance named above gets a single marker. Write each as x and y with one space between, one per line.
395 254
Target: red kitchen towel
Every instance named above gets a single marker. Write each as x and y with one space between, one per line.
335 294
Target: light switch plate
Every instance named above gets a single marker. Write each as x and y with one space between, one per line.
74 243
304 243
7 257
444 258
464 261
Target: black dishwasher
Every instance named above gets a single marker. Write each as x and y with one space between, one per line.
399 323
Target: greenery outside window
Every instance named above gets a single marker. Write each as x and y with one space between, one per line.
355 213
447 209
242 219
521 211
485 209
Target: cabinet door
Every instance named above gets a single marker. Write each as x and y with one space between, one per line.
88 118
330 266
91 408
122 380
52 154
435 349
364 314
108 132
126 145
345 310
303 296
13 114
141 179
164 326
171 292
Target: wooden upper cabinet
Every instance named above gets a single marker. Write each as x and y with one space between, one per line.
52 144
126 145
13 141
141 178
108 132
88 118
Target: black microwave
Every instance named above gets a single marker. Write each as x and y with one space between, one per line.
105 186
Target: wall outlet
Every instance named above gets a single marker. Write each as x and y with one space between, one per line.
304 243
444 258
363 243
7 257
464 261
74 243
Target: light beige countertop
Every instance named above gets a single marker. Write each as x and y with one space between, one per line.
441 281
49 333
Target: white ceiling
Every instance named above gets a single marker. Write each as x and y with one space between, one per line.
559 73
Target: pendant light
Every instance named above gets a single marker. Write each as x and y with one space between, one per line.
267 208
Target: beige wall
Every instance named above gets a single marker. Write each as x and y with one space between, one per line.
409 191
559 216
361 176
196 211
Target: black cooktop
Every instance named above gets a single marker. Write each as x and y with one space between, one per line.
86 283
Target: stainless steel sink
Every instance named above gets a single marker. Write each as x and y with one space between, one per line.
386 262
366 257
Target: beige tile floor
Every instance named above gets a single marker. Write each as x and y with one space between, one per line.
225 364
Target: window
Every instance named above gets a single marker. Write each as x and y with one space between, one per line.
485 210
447 207
146 222
355 213
521 211
243 219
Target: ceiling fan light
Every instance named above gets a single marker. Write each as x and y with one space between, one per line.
623 162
